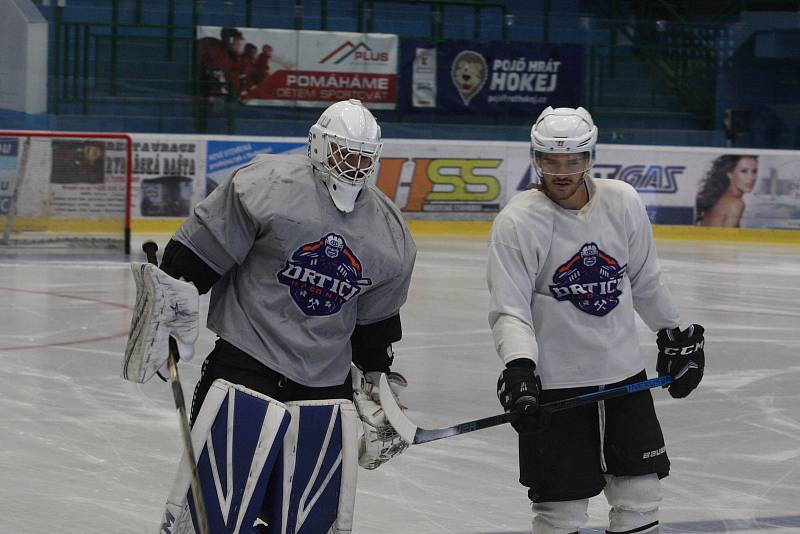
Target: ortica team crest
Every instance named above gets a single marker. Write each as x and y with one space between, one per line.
591 280
323 275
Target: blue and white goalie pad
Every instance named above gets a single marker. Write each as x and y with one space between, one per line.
290 468
315 490
237 438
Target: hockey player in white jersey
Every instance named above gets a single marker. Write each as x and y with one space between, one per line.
308 265
569 263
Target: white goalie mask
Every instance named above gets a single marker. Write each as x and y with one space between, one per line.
344 147
563 131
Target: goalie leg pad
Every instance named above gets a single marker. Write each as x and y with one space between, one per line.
237 437
315 492
562 517
634 503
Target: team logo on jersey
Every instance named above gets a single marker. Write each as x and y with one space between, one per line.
323 275
591 280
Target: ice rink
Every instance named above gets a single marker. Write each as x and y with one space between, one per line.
83 451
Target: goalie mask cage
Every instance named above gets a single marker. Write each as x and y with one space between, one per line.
65 190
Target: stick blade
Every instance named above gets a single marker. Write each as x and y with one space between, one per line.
397 418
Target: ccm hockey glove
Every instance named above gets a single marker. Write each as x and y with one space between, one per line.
518 389
681 355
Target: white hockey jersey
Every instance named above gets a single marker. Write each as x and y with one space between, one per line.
564 285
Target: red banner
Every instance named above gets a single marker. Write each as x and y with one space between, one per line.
310 86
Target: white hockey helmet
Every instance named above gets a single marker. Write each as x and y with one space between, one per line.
344 147
563 131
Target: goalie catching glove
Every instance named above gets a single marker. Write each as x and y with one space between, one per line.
681 355
165 307
380 442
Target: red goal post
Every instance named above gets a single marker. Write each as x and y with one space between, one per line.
65 189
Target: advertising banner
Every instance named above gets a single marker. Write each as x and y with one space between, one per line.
87 178
709 186
423 78
168 175
665 178
441 179
297 68
63 178
225 156
9 150
679 185
492 77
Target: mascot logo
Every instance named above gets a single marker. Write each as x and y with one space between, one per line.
323 275
591 280
469 73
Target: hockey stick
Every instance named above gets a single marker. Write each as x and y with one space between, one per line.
414 434
150 248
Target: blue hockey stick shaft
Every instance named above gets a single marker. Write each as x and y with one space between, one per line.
604 394
422 435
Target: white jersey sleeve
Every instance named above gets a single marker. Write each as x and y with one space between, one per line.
510 275
651 298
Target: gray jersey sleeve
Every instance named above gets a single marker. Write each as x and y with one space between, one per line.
222 228
385 300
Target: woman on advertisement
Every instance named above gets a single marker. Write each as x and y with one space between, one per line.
719 200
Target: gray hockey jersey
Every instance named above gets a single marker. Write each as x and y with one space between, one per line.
298 274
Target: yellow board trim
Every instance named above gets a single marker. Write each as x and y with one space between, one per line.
155 226
77 226
418 227
698 233
749 235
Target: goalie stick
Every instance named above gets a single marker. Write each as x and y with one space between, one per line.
150 248
414 434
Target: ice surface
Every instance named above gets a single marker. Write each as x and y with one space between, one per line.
83 451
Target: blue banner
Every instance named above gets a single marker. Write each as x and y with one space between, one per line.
223 157
9 148
491 77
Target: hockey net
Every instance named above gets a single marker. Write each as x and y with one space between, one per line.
65 190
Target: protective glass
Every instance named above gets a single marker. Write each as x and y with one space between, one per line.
562 164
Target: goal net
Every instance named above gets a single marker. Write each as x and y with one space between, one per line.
65 190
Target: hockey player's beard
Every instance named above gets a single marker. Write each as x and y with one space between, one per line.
562 188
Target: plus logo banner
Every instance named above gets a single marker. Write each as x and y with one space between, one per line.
591 280
323 275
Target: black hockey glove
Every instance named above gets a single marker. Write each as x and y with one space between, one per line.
518 389
681 355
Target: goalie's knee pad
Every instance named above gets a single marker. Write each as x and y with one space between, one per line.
634 503
563 517
314 485
237 439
